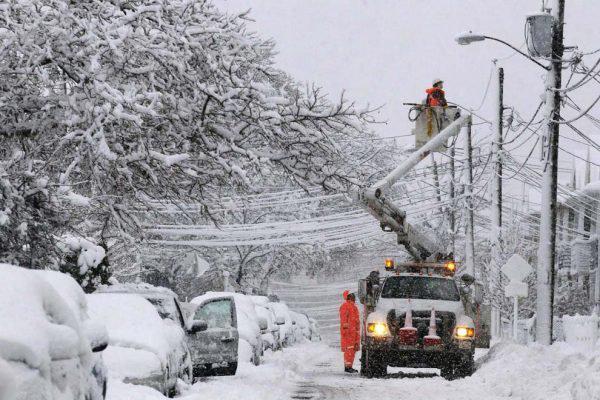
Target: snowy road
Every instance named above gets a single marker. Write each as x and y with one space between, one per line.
313 371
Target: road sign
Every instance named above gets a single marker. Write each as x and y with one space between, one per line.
516 268
516 289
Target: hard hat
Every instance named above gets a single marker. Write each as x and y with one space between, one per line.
436 81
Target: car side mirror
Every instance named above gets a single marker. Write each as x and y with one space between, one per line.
97 335
280 321
197 326
263 324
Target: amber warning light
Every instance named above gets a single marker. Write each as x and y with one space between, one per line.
389 263
451 266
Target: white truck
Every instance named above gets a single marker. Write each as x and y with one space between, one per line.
417 314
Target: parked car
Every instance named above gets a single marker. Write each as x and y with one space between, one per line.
74 296
315 335
270 335
214 338
143 349
283 319
47 342
163 299
301 326
245 324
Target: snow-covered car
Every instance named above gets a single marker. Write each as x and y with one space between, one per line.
270 335
283 319
74 296
214 339
315 335
47 343
163 299
143 348
301 326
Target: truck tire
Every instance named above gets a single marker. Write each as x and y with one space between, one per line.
458 367
230 369
465 367
372 364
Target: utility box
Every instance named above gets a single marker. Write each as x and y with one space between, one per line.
538 31
429 121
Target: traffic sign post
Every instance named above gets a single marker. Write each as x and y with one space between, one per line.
516 270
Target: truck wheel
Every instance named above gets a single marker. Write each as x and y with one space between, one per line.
465 367
230 369
372 364
457 368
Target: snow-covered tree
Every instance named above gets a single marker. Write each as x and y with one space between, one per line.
119 105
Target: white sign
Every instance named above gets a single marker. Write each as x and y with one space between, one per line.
516 268
516 289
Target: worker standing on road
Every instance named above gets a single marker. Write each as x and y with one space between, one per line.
436 97
349 330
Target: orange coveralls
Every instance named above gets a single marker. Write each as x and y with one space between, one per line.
349 330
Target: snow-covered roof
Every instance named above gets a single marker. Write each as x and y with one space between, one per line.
139 288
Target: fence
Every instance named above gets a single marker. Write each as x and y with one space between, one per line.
580 330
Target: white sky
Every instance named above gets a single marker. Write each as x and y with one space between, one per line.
386 52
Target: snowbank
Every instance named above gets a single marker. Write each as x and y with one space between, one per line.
537 372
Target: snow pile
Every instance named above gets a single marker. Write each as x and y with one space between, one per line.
537 372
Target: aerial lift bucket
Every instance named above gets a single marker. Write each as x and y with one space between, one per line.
429 121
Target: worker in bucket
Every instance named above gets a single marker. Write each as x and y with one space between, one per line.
436 97
349 330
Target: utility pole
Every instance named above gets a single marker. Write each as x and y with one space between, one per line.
469 231
452 213
496 212
547 245
497 151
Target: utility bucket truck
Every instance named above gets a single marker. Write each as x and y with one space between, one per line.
417 314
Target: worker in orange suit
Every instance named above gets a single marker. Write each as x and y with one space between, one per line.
349 330
436 97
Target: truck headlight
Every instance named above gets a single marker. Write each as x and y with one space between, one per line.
378 328
464 332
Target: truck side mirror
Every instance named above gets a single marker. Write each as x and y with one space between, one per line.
467 279
362 290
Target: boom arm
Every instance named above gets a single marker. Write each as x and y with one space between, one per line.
393 219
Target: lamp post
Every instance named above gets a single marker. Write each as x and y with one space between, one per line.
547 237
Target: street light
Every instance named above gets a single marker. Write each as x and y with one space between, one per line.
470 37
547 239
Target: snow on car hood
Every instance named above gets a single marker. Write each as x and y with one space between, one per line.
124 362
133 322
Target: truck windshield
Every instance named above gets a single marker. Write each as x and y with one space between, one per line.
417 287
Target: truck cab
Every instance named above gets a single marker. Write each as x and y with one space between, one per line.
418 315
